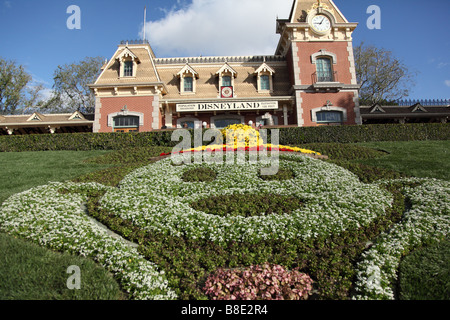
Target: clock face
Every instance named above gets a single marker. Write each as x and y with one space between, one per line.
227 92
321 23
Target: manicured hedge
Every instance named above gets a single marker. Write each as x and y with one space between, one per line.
288 136
84 141
366 133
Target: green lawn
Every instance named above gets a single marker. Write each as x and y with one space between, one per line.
21 171
415 158
29 272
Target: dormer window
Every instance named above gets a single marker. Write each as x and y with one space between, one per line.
264 78
128 69
188 84
264 83
188 78
226 81
128 64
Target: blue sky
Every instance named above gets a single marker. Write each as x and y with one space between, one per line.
35 32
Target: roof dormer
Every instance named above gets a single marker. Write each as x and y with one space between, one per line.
418 108
128 63
188 79
264 76
36 117
77 116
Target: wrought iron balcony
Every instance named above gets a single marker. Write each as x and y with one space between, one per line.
325 77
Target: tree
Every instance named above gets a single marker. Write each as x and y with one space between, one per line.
71 90
13 83
383 77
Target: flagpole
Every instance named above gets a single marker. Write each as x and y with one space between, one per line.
145 19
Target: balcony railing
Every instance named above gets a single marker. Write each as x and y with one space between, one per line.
325 77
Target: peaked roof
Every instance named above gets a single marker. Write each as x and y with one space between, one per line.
300 9
36 117
187 69
227 68
377 108
265 68
146 73
418 108
127 53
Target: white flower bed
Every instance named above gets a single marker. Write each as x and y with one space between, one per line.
427 220
57 221
156 198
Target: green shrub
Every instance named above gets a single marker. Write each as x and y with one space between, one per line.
282 174
341 151
365 133
288 136
247 205
200 174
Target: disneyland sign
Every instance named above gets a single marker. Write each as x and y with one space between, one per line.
227 106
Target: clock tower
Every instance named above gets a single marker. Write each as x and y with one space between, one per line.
317 43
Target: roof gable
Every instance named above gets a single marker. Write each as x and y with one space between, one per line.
418 108
377 109
188 69
226 68
77 116
36 117
127 53
265 68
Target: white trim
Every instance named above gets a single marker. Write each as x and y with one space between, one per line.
323 53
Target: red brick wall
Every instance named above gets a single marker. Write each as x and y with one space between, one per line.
134 104
307 68
312 100
316 100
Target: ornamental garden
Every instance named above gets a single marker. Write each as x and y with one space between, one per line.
316 229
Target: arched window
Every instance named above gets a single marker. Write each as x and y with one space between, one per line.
324 70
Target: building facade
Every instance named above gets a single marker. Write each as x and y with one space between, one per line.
309 81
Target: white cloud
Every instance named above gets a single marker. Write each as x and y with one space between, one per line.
447 83
7 4
217 27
